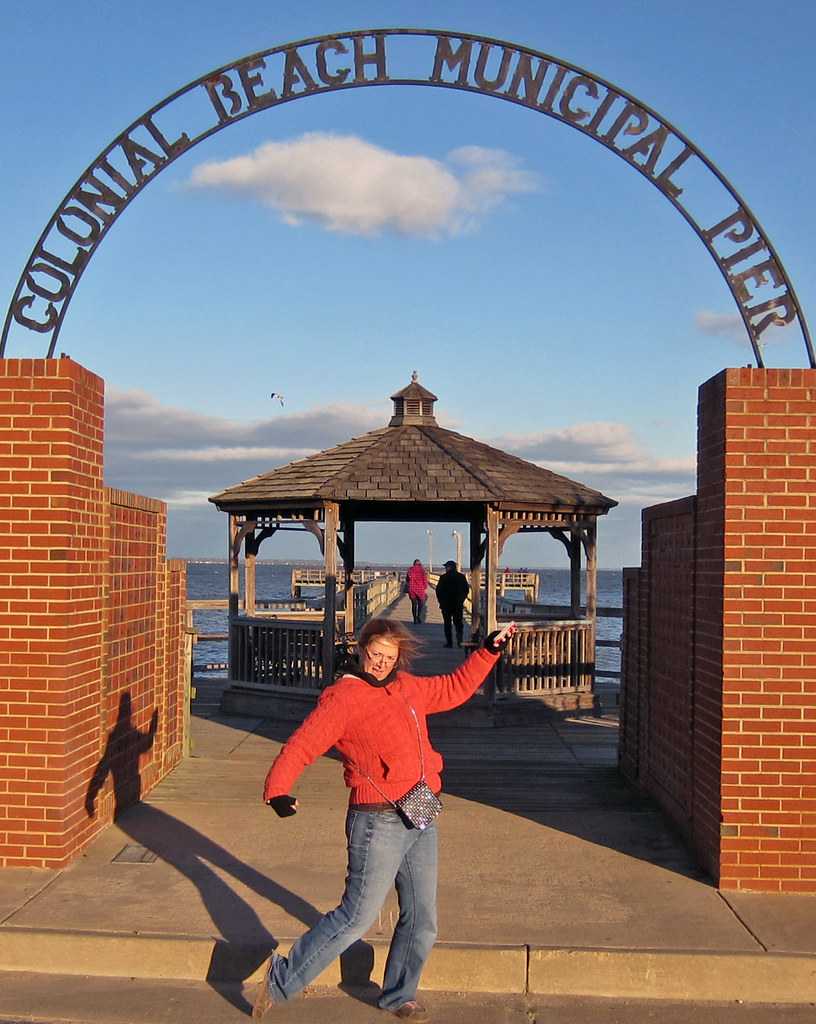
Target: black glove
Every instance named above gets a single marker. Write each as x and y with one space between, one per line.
283 806
494 645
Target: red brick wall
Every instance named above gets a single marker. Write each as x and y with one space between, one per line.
634 692
748 701
143 657
657 735
768 796
666 728
59 600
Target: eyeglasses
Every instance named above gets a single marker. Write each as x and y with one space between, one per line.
388 659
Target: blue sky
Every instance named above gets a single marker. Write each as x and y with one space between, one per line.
552 298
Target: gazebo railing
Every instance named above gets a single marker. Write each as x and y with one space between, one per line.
278 652
551 658
288 652
548 658
545 658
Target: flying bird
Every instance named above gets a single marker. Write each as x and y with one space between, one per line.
276 395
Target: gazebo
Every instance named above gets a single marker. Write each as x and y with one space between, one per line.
413 470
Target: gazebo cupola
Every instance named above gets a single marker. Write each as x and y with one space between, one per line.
414 405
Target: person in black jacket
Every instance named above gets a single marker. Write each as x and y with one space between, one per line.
451 591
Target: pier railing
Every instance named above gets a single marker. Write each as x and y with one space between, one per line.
375 595
526 582
316 577
506 580
544 658
553 614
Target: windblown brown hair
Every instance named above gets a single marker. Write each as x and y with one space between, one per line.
394 632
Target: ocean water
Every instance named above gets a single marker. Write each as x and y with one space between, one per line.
210 579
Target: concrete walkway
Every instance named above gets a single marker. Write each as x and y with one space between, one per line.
557 878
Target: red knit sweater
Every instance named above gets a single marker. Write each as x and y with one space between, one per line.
373 728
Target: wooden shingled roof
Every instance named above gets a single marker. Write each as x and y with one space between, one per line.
412 460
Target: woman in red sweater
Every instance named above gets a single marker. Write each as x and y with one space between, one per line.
375 715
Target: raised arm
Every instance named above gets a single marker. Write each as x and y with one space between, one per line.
449 691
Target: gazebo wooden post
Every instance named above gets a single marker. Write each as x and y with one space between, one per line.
475 574
331 513
575 575
591 545
234 585
491 568
348 566
249 573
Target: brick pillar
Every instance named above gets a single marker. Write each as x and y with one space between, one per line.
708 622
51 605
755 670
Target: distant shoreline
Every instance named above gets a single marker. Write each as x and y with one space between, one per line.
318 562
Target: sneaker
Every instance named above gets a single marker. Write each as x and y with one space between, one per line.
411 1011
263 1000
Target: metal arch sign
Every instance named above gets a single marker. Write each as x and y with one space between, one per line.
377 57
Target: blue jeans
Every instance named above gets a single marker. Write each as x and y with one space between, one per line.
382 852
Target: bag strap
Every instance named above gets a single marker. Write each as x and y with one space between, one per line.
419 734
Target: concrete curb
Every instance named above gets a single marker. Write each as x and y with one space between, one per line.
759 977
701 975
105 954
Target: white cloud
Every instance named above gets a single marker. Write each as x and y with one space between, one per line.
722 325
731 327
607 457
274 456
607 441
645 466
347 184
184 500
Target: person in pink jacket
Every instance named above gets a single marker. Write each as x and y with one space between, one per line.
375 715
416 586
